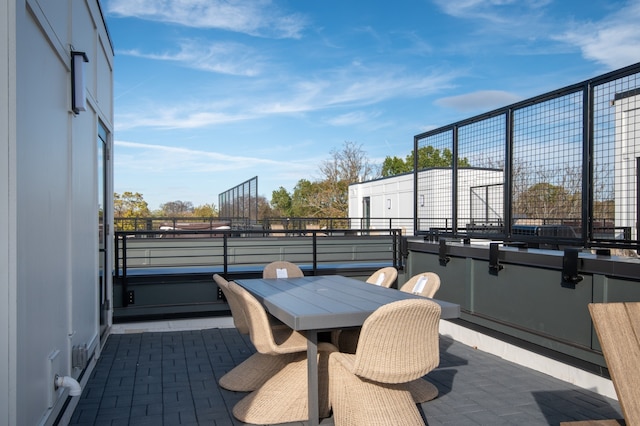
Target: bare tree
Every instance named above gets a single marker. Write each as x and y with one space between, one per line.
177 208
349 165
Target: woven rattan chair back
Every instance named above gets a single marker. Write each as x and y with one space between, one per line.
399 342
425 284
384 277
237 312
266 339
282 269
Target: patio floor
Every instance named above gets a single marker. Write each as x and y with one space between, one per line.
170 378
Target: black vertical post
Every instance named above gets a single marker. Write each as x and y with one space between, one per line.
587 165
125 286
508 174
637 202
415 186
225 253
314 252
454 183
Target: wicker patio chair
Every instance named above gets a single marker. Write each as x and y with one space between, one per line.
277 227
384 277
425 284
346 340
618 328
282 269
398 344
282 398
254 371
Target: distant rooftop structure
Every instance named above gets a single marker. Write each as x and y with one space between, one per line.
240 202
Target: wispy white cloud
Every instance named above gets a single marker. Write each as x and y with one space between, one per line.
493 11
352 118
197 175
257 17
613 41
479 101
417 45
357 85
334 89
164 158
222 58
190 116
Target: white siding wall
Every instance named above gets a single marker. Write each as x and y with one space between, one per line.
626 152
7 214
48 198
436 188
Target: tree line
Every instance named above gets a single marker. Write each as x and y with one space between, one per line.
327 196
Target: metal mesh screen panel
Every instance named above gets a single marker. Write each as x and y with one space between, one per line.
481 161
240 202
560 167
616 153
547 163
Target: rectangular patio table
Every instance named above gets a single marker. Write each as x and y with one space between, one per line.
312 304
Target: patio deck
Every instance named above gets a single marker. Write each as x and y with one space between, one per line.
170 378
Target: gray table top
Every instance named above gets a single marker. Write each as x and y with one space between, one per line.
327 301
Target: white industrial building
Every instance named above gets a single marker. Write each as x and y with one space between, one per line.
56 122
627 160
393 198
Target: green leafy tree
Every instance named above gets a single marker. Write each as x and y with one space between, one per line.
327 196
428 157
205 210
131 206
281 202
392 166
303 200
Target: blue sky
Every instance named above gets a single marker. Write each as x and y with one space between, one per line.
211 93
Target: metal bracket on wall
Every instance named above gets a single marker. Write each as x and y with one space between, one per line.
444 259
404 247
494 261
570 262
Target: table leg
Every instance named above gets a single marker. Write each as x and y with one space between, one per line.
312 376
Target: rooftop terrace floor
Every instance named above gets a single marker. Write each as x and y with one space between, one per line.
170 378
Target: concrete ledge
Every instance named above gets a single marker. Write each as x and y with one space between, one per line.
172 325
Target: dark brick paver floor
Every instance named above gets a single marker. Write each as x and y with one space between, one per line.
170 378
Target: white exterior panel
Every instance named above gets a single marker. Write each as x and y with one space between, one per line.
8 282
392 197
627 152
48 200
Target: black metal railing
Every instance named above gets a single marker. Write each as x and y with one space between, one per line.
240 223
184 252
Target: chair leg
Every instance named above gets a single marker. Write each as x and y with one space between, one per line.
284 397
254 371
357 402
422 390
